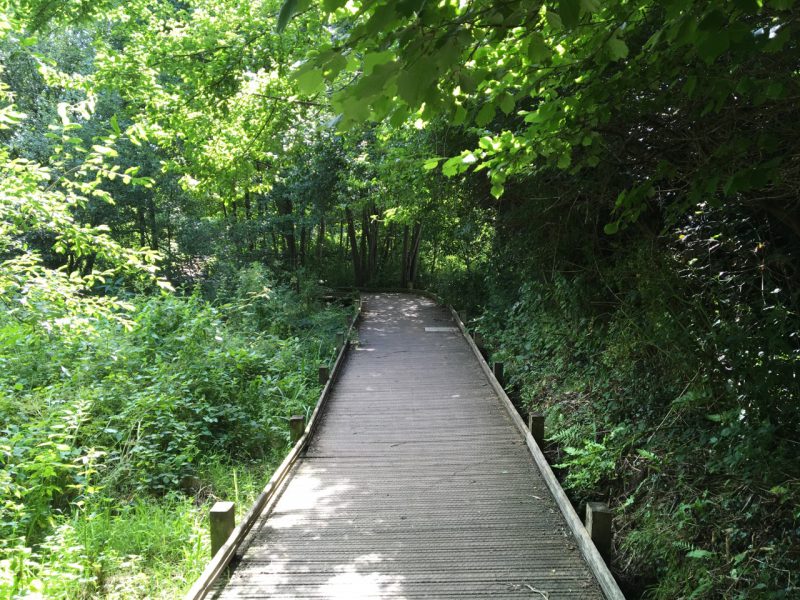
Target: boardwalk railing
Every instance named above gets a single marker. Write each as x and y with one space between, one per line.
219 563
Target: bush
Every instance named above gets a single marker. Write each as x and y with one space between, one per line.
110 431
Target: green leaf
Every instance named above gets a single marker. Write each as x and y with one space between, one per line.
115 125
431 164
554 20
497 190
332 5
485 115
611 228
712 45
310 81
334 66
538 50
376 58
617 49
451 165
507 103
569 10
288 10
408 87
104 150
699 554
565 160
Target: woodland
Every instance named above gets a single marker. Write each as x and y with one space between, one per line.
609 188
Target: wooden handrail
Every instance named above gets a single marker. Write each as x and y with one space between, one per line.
214 569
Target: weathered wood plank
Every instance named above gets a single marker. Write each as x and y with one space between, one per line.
417 483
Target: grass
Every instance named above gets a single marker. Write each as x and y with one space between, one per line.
149 547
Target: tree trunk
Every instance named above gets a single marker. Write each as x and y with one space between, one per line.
285 211
142 225
387 245
303 245
320 238
351 234
404 260
373 243
363 245
414 261
151 215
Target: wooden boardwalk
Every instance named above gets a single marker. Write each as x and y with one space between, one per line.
416 485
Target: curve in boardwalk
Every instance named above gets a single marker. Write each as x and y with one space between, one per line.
416 485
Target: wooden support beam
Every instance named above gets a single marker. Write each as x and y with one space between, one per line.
497 369
222 520
536 427
324 375
598 525
297 425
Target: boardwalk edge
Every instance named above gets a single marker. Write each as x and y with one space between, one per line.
265 501
590 553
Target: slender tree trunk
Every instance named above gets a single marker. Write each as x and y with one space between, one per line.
285 211
414 261
351 234
142 225
387 244
303 245
275 245
373 243
363 244
404 259
151 215
321 238
89 264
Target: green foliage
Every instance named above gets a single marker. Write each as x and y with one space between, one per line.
656 399
630 249
143 411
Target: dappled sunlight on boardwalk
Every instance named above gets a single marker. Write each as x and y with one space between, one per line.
416 485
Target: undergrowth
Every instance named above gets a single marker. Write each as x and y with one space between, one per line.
118 434
668 376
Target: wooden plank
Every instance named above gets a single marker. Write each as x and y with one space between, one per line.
591 554
416 483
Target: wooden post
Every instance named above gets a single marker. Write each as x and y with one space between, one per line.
222 519
478 339
462 314
598 524
536 427
339 341
497 369
297 424
324 373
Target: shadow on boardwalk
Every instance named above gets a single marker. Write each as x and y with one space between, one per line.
416 485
